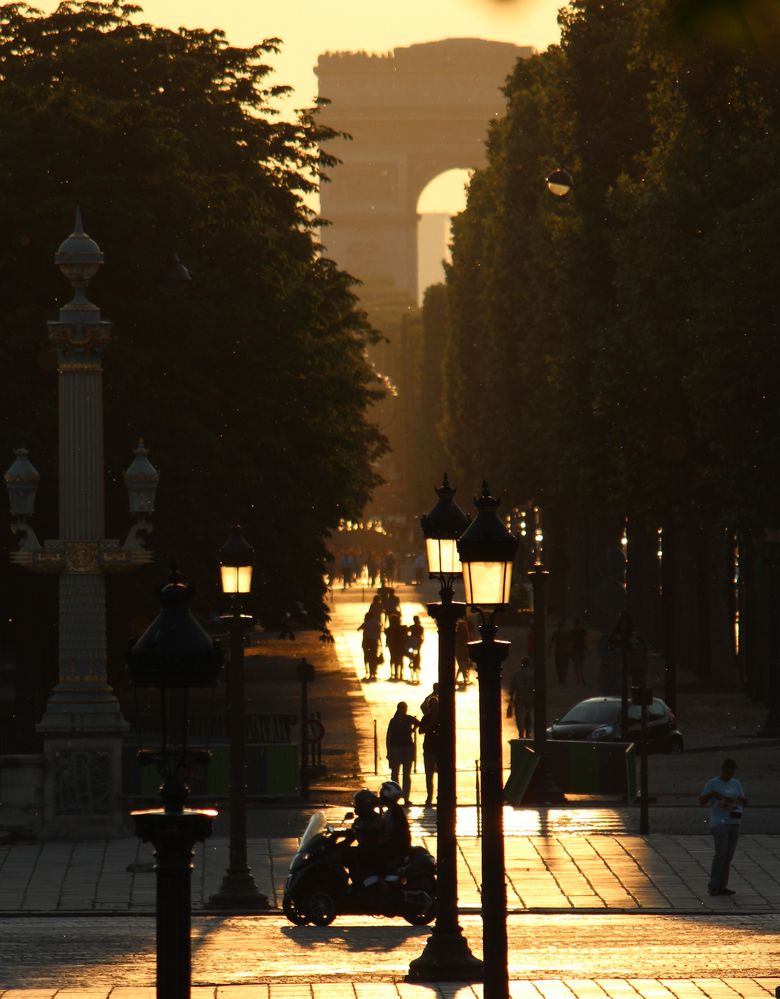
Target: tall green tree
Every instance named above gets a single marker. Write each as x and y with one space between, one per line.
252 390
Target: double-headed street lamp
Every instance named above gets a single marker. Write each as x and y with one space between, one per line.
82 726
446 957
487 552
238 888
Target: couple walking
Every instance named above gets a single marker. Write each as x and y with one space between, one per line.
401 744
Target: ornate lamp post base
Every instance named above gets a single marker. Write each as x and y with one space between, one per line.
446 958
239 891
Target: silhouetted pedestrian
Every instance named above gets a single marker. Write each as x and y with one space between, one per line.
578 648
396 638
400 747
559 648
521 699
726 798
415 638
429 726
462 638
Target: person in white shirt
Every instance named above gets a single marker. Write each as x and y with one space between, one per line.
726 799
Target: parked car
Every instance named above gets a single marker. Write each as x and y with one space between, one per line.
597 719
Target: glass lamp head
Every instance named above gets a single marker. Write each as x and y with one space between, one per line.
236 561
141 480
22 480
559 182
487 552
441 529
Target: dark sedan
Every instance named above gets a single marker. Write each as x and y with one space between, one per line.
598 720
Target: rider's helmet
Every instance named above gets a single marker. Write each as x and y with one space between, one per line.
365 801
390 791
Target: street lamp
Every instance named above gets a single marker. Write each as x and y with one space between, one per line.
174 654
487 551
446 957
82 726
238 888
559 182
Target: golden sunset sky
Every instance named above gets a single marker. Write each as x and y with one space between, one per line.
310 27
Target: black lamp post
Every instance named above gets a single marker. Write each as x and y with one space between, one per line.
487 551
238 889
771 725
174 654
446 957
304 672
539 575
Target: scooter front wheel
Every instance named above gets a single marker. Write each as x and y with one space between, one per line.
319 906
291 909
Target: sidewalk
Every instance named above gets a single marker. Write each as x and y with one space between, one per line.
568 859
574 873
559 861
553 988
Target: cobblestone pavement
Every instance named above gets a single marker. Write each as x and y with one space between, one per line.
568 988
103 952
572 872
598 911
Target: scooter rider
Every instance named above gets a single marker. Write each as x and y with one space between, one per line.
368 832
396 838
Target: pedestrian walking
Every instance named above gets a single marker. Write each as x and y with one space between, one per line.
462 639
434 695
726 798
372 570
396 638
429 727
521 699
560 646
372 641
415 638
578 649
399 742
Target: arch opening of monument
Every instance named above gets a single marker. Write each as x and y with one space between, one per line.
441 199
413 114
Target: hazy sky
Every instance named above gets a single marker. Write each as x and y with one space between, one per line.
310 27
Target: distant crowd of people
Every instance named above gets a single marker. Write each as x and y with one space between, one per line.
354 567
402 642
358 568
387 639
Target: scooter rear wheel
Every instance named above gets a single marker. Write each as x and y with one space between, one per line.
319 906
420 917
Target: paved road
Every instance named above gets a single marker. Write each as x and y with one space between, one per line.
94 952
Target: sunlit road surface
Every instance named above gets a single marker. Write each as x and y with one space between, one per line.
382 696
99 952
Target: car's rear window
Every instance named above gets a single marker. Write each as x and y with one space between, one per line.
595 713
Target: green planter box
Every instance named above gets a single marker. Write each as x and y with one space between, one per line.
578 767
272 771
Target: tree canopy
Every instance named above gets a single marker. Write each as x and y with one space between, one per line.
252 391
619 347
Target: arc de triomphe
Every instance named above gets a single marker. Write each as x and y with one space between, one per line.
412 114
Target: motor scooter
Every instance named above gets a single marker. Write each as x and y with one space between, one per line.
320 884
